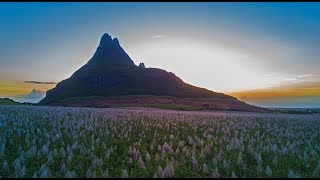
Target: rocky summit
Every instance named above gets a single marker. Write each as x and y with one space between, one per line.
112 73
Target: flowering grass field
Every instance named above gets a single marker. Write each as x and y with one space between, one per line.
43 141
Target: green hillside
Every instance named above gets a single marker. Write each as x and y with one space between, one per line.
7 101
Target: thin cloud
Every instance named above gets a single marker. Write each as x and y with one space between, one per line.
38 82
159 36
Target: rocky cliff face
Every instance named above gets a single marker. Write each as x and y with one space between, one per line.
111 72
110 53
141 65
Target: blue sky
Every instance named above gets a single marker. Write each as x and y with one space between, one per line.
278 42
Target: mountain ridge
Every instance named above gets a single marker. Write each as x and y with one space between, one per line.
111 72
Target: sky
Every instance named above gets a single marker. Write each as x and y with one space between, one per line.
262 53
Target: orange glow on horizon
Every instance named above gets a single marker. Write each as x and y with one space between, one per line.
297 90
16 88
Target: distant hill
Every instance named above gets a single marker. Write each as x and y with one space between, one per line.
297 110
7 101
33 97
111 72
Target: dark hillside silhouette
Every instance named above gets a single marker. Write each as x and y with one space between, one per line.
111 72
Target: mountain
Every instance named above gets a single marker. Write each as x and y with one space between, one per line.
7 101
33 97
112 73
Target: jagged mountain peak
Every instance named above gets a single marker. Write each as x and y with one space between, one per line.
141 65
109 52
116 41
106 40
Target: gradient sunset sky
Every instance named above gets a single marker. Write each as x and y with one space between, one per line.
263 53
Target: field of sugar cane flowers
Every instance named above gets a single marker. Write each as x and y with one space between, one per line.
43 141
